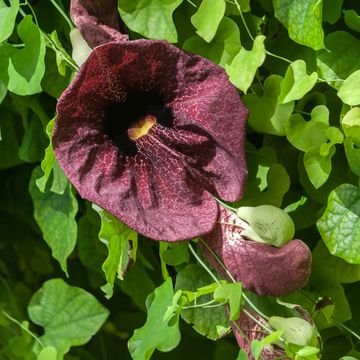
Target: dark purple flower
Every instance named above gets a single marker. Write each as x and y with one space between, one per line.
262 268
98 21
150 133
251 330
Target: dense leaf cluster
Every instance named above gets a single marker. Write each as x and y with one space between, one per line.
76 283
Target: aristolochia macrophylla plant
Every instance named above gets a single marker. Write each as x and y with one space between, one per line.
150 133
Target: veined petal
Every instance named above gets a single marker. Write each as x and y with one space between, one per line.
262 268
159 183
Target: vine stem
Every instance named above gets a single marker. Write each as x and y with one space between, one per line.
63 14
228 273
22 12
17 322
243 20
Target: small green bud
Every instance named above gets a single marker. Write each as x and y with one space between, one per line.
267 224
295 330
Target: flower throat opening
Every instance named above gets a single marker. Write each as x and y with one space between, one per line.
125 122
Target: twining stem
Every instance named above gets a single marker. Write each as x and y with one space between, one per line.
73 65
196 256
244 296
228 273
243 20
24 328
63 14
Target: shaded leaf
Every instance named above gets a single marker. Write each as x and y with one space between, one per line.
332 10
242 69
333 267
55 215
69 315
352 19
303 20
156 333
207 18
150 18
9 143
339 225
34 140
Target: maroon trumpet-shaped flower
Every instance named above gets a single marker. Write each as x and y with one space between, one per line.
98 21
150 133
262 268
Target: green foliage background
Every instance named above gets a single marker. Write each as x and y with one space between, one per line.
64 286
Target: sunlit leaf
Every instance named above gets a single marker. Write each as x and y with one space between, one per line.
339 226
207 18
156 333
151 18
8 17
349 91
296 82
303 20
243 67
266 114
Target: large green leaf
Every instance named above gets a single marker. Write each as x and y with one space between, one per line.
207 18
8 17
156 333
23 69
55 215
339 226
150 18
222 48
303 20
243 67
349 91
296 82
121 242
325 264
340 60
204 321
266 114
69 315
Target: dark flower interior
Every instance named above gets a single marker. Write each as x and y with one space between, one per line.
120 116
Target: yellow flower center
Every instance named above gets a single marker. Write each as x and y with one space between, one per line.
141 127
